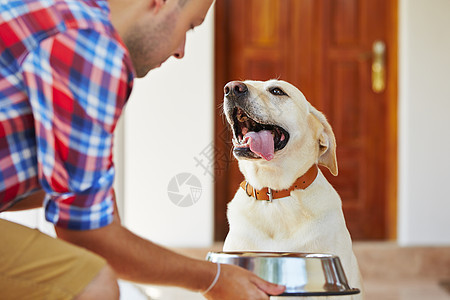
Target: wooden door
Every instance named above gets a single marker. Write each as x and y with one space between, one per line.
324 47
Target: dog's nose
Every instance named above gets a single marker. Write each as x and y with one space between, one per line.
235 88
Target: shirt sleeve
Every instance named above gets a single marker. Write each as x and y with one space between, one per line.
77 82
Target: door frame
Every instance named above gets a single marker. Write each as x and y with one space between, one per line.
221 197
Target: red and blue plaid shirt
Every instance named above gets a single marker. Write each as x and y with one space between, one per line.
65 77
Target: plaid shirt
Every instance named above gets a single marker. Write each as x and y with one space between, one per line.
65 76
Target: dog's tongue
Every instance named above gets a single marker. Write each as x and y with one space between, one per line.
261 143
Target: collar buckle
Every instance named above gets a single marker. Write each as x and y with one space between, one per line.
270 194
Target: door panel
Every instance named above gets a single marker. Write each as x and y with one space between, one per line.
324 48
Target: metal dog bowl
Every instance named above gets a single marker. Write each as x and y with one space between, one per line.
303 274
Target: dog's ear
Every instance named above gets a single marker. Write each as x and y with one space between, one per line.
327 144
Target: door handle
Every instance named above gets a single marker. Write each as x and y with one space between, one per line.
378 66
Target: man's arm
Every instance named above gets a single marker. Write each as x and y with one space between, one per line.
140 260
137 259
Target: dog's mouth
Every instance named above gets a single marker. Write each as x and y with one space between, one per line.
256 140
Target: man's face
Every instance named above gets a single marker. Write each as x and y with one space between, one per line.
156 37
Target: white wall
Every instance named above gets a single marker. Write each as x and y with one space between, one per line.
168 123
424 138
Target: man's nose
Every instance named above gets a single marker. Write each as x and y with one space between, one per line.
179 52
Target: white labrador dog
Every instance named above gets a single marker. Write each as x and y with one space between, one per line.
279 139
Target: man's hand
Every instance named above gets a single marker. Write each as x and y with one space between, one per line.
236 283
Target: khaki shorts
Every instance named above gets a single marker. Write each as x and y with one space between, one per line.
36 266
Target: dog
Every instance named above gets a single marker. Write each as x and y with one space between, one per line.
285 203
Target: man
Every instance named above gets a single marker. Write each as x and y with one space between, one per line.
66 71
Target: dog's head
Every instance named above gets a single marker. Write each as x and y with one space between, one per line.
277 133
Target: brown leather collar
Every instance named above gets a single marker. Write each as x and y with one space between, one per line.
268 194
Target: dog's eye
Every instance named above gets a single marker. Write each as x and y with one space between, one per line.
277 91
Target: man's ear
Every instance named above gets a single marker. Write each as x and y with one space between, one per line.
327 144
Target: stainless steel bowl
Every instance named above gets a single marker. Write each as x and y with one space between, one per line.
303 274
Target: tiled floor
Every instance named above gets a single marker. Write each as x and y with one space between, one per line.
412 289
389 272
375 290
404 273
